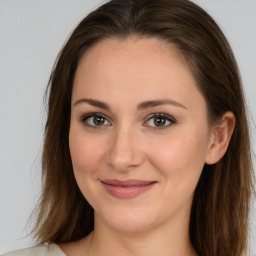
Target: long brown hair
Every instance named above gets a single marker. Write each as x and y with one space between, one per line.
219 214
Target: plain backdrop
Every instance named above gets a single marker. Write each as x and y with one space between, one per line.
31 34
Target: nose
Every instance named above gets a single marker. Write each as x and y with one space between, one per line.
125 152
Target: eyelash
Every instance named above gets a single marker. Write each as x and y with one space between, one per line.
168 118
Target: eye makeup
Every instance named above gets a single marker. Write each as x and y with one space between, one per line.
159 121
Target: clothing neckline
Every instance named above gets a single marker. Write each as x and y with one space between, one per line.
56 247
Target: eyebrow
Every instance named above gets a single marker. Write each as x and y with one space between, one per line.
141 106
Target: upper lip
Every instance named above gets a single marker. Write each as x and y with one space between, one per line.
127 183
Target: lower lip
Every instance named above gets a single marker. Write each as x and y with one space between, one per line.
127 192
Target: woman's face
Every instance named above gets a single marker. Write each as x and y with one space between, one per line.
139 135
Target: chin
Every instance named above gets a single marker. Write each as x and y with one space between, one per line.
129 220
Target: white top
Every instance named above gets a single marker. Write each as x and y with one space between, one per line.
38 250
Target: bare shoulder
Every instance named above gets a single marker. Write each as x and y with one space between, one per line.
38 250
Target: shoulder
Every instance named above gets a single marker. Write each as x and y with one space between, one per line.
39 250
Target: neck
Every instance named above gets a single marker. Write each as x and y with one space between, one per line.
167 239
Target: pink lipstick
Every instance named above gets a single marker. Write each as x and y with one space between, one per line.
128 188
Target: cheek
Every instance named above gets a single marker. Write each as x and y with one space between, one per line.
85 153
180 157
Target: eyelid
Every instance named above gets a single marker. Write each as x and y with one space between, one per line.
154 115
171 119
87 116
162 114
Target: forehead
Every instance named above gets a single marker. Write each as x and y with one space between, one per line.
134 68
111 56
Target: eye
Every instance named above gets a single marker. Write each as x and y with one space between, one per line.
95 120
160 121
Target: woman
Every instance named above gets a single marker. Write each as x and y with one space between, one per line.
146 143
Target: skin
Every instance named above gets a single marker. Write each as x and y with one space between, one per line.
128 145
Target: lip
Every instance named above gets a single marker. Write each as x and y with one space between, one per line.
127 188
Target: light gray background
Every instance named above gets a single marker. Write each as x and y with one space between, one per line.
31 34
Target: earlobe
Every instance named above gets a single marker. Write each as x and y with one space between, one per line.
221 135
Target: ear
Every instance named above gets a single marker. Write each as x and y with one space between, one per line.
220 138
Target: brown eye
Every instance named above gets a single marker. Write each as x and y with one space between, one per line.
159 121
95 120
98 120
